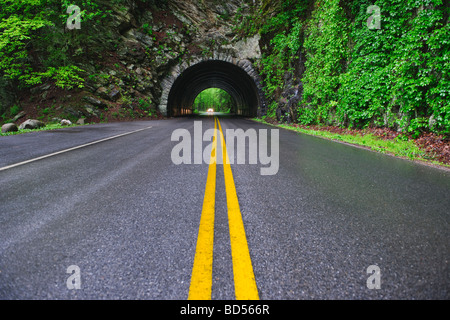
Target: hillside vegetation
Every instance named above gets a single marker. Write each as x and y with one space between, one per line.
347 71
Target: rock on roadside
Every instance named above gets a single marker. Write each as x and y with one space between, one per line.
31 124
9 127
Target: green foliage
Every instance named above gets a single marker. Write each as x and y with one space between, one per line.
307 116
325 47
145 105
246 21
19 21
30 27
215 98
396 76
14 110
403 67
282 53
288 13
65 77
272 109
148 29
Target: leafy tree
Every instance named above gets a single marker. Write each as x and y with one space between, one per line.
215 98
19 22
37 28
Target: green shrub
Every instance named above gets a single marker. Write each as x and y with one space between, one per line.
14 111
396 76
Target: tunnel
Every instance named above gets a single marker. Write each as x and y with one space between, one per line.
214 74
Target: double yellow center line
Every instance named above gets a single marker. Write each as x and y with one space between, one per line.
201 279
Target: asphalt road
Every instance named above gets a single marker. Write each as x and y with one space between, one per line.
128 217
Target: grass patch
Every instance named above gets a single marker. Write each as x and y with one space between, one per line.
400 146
52 126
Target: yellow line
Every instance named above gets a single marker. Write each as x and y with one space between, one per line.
244 279
201 279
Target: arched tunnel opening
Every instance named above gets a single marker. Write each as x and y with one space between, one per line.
214 74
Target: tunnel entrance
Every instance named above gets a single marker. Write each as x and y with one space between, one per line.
237 80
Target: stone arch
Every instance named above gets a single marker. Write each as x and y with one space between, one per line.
236 76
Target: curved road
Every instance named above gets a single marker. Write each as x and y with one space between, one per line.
128 218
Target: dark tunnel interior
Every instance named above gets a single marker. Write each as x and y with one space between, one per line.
213 74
